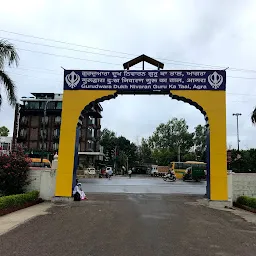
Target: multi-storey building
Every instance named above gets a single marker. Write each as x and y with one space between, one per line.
37 127
5 144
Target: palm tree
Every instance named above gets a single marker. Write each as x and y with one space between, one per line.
253 116
9 55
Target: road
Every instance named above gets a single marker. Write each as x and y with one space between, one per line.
142 184
132 225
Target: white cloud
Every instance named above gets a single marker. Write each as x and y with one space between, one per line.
212 32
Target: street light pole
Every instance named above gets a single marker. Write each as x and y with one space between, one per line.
237 129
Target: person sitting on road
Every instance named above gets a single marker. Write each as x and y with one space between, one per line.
78 193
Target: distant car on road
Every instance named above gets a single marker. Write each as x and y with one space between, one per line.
90 171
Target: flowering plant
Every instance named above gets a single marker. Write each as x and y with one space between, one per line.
14 172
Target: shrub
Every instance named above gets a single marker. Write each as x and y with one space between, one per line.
14 172
247 201
18 200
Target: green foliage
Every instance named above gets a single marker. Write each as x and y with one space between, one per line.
199 138
253 116
166 140
18 200
171 135
123 147
4 131
163 156
9 55
247 162
161 148
247 201
14 172
145 153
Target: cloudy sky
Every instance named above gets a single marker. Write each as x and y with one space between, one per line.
98 34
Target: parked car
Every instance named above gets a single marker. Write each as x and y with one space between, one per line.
90 171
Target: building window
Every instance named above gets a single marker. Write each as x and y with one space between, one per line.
24 120
23 132
42 133
51 105
55 146
33 105
56 133
91 120
45 119
43 146
57 119
90 144
59 105
90 132
42 104
5 146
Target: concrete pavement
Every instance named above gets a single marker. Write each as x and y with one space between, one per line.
142 184
131 225
12 220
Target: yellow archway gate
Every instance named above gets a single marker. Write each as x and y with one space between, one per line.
203 88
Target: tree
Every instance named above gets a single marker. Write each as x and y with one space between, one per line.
8 54
14 170
108 141
126 150
123 147
144 152
199 138
253 116
163 156
4 131
172 136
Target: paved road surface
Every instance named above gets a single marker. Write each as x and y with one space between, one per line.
132 225
142 185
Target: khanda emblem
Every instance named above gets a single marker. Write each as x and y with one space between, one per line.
72 80
215 80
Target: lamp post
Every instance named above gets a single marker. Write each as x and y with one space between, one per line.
237 129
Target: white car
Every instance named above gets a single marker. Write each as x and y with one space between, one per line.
90 171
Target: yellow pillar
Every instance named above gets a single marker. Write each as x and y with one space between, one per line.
214 104
73 103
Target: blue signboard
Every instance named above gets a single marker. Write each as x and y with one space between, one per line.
145 80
